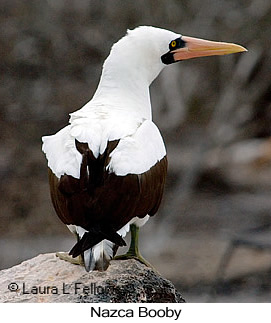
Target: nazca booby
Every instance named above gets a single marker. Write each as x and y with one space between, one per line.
107 168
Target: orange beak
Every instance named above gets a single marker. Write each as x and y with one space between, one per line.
195 47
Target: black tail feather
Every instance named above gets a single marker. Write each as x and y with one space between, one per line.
90 239
83 244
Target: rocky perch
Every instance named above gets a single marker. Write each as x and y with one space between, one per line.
46 278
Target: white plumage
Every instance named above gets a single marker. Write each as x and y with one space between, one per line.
120 109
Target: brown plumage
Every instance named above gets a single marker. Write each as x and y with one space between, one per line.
102 202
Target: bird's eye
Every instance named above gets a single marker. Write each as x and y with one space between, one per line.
173 43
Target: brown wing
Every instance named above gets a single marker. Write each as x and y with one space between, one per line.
152 185
102 202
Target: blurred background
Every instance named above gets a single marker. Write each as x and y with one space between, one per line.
211 236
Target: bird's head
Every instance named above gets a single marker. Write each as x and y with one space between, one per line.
147 49
137 59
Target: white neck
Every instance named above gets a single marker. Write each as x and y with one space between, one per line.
126 85
127 74
124 89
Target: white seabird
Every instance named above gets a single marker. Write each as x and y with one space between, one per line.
107 168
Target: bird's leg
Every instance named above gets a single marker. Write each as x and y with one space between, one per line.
65 256
133 252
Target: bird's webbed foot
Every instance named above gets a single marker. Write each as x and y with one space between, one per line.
65 256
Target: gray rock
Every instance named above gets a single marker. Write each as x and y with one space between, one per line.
46 278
